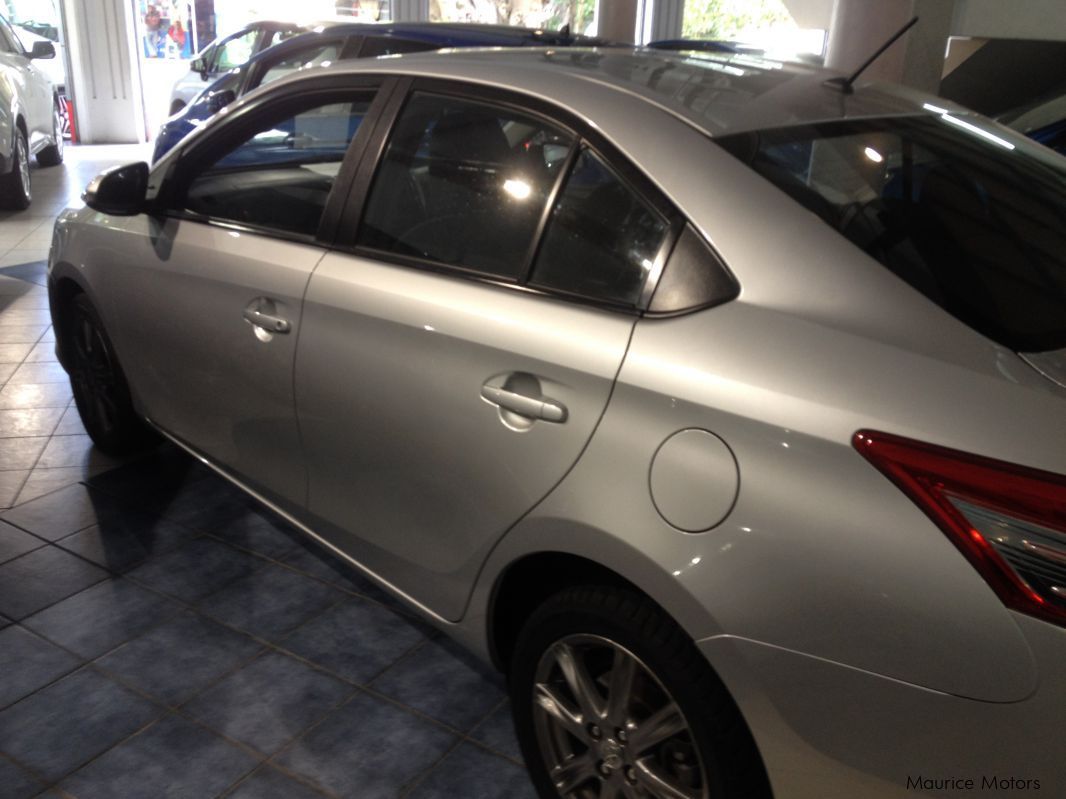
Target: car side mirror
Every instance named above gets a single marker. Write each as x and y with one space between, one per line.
220 100
199 65
120 190
43 50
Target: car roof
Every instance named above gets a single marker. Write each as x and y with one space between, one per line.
719 93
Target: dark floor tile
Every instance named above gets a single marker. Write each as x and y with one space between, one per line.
268 783
268 702
172 758
60 727
28 662
497 732
122 541
318 562
473 773
63 512
208 504
197 569
180 657
368 749
260 531
16 782
444 682
154 480
4 622
271 602
14 542
102 617
357 639
41 578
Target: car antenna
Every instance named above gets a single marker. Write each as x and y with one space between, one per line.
844 84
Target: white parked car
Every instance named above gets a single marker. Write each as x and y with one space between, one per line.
29 116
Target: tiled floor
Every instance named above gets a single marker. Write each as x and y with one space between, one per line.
42 444
163 636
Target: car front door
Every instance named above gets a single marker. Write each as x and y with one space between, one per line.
455 360
209 290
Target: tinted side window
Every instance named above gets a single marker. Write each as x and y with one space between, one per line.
310 57
280 176
463 183
8 42
602 239
235 51
389 45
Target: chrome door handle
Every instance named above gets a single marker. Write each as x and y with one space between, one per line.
543 408
270 322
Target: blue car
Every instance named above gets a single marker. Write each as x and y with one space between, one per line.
332 42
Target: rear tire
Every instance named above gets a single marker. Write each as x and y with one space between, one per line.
99 385
15 185
611 698
53 154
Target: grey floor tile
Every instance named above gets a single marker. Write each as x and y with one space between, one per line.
197 569
271 602
11 352
42 351
29 422
75 450
180 657
473 773
16 782
64 512
27 662
121 542
10 485
497 732
172 758
14 542
35 395
100 618
269 783
20 334
45 481
268 702
368 749
6 370
444 682
42 577
20 453
62 726
260 531
70 423
357 639
43 372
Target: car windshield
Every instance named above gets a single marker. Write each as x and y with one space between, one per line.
965 212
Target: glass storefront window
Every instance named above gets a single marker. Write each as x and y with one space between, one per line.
580 15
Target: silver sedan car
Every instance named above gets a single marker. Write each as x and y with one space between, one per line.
723 410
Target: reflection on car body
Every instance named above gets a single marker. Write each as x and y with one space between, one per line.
701 401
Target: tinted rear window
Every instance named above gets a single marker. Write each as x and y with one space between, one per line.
966 215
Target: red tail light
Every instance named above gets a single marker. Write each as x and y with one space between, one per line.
1009 521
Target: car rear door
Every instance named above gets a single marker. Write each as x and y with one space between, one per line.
458 349
208 292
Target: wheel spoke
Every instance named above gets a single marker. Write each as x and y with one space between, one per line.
580 682
651 778
632 792
610 789
620 688
660 725
575 772
548 700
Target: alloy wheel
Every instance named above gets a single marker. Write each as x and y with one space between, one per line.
22 155
608 729
95 375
